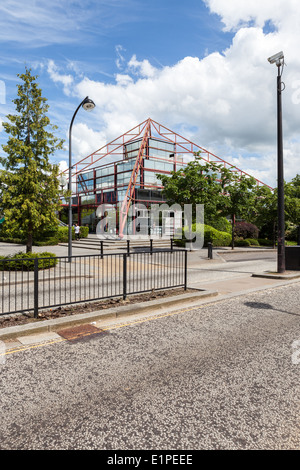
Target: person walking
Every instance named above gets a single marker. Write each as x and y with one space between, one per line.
77 232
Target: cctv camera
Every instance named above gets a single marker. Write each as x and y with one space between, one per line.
276 58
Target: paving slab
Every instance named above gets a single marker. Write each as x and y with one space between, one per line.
38 338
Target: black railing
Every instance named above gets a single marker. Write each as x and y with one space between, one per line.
87 278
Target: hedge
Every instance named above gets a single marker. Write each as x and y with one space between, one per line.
25 261
216 237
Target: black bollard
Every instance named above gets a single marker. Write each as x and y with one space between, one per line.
210 250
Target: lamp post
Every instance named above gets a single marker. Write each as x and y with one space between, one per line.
88 105
278 59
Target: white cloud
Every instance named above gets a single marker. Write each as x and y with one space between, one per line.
65 80
85 141
238 13
226 101
143 68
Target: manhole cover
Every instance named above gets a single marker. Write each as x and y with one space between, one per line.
80 331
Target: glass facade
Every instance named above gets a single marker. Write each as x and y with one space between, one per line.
108 183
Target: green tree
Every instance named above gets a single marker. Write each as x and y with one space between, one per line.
223 191
197 183
237 197
29 183
265 213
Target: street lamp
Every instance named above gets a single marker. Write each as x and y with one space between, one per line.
62 182
278 59
88 105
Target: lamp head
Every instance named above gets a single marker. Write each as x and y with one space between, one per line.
88 104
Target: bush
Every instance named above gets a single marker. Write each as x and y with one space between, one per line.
291 232
241 242
51 236
216 237
12 240
25 261
84 231
245 230
222 225
265 242
63 233
253 241
49 242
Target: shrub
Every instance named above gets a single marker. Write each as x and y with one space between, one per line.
12 240
84 231
291 232
241 242
216 237
265 242
50 236
49 242
253 241
25 261
245 230
221 224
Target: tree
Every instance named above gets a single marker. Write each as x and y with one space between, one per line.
238 197
265 214
222 191
197 183
29 183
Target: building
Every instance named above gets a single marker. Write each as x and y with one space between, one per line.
123 173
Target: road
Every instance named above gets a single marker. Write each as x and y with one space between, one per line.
223 375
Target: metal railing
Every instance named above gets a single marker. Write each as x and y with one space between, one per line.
87 278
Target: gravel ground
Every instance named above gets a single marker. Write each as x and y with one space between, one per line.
221 376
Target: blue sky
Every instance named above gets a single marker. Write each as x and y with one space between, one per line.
198 67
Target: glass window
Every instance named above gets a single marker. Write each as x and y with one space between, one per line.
108 170
105 181
151 178
88 199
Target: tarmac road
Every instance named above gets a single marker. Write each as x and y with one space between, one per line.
222 375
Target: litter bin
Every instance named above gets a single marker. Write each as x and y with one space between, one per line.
292 258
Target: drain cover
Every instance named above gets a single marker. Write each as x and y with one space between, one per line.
80 331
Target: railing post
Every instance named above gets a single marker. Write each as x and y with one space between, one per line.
101 249
36 287
185 270
124 276
128 247
172 242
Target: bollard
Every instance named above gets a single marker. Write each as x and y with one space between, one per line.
210 250
298 236
101 249
151 247
128 247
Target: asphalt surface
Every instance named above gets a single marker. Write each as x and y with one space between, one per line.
223 375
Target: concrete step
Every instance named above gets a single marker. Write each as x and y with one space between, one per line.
93 243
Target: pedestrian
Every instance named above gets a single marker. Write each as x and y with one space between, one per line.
77 232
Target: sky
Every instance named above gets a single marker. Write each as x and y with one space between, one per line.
198 67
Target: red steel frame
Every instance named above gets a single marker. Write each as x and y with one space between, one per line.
145 129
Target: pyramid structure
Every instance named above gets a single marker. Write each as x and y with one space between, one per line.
147 142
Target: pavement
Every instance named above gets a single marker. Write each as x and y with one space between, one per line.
209 280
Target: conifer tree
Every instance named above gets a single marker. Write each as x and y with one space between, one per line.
28 181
